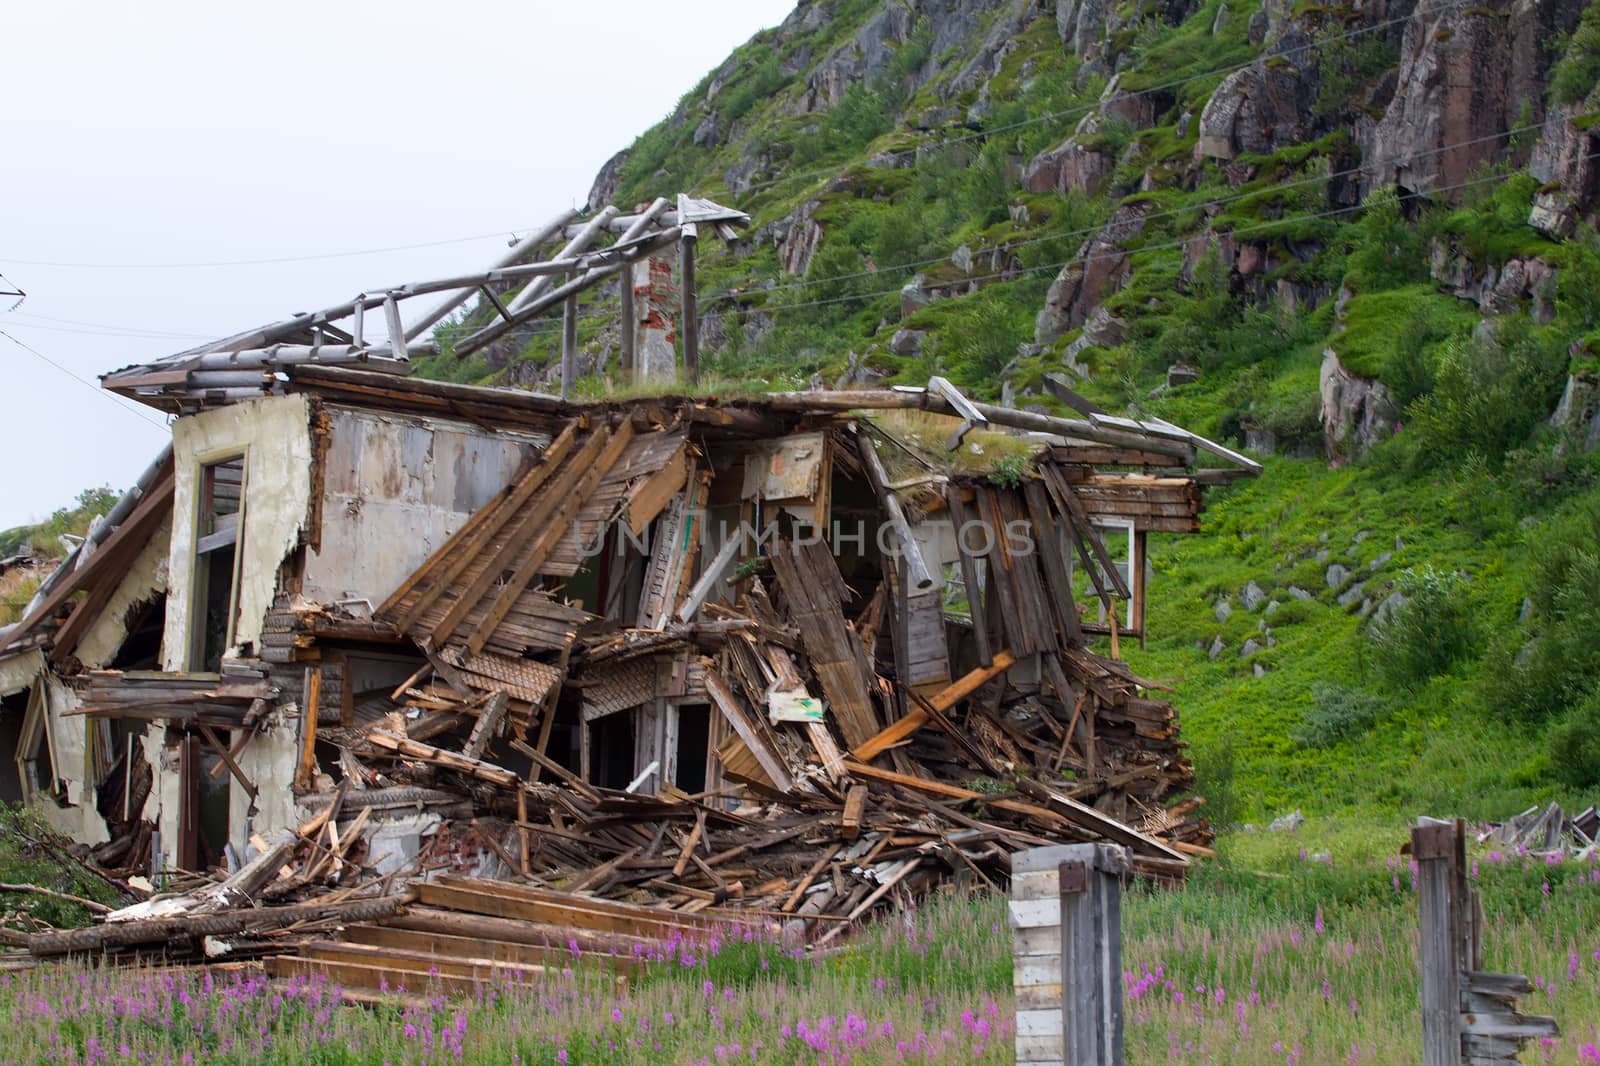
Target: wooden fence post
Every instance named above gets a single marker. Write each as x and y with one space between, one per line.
1469 1017
1066 921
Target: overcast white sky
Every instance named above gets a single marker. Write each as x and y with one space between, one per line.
166 132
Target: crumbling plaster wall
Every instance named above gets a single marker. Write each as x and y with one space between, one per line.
20 671
79 820
146 577
69 733
395 487
274 433
269 761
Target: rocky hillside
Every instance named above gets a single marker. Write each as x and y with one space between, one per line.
1354 237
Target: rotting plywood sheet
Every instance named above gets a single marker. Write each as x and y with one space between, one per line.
794 473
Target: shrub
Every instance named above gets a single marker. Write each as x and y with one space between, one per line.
1574 76
1337 713
1490 394
1433 631
1553 664
1574 746
1389 249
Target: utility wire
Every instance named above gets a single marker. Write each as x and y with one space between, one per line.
85 382
1090 231
802 176
265 261
1083 109
1128 252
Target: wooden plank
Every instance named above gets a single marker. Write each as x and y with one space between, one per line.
1047 546
463 547
483 947
942 701
228 760
530 522
939 788
855 802
552 533
733 710
412 749
1441 995
487 725
306 770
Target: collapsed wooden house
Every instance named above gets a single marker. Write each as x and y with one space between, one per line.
798 655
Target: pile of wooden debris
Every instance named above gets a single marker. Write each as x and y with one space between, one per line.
689 663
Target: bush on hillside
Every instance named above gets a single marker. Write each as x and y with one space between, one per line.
1575 74
1574 746
1389 250
1337 713
1553 664
1489 396
1433 631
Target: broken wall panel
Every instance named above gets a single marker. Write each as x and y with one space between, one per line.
394 488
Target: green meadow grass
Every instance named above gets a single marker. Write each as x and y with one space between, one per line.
1294 947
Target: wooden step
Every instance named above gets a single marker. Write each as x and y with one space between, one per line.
498 951
369 977
402 959
502 900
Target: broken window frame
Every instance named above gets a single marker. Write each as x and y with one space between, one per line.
206 541
37 730
1126 567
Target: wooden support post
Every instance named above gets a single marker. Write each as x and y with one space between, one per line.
1468 1016
1140 554
306 773
630 326
1066 921
569 345
690 326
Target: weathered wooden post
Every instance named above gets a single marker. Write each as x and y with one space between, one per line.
1066 923
1469 1017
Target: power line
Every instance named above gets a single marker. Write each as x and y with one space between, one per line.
85 382
265 261
1220 201
1083 109
1167 245
131 333
1080 109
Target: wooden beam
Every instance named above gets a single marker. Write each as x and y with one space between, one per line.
550 535
855 802
480 530
732 710
305 773
958 690
227 759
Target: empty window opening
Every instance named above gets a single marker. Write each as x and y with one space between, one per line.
611 751
694 741
204 807
216 577
36 750
13 710
141 648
